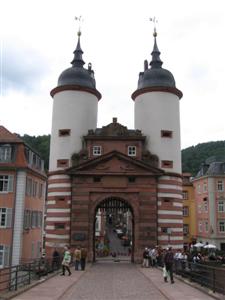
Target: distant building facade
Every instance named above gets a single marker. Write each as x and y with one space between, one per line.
189 211
209 190
92 167
22 199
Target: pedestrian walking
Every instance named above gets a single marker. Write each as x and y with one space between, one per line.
145 258
168 261
77 258
83 258
66 261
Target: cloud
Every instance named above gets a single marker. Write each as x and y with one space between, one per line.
22 68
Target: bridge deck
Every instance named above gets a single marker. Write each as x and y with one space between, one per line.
114 281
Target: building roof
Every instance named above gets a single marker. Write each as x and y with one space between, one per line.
7 137
211 169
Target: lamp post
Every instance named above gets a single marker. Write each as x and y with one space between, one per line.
169 231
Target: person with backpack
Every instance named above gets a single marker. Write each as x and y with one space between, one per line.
77 258
66 261
168 261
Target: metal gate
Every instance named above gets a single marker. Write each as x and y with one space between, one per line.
113 230
114 204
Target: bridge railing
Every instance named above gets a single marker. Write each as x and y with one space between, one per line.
14 277
209 276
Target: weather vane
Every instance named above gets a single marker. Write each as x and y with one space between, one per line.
154 20
79 20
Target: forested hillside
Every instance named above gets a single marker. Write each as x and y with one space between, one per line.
192 157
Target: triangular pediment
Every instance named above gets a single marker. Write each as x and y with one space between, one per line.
115 163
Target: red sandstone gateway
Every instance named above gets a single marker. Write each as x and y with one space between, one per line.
132 175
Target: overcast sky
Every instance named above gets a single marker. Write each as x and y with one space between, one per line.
38 39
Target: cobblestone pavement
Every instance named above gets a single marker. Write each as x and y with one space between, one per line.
114 281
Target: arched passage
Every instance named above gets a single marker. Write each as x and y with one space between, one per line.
113 230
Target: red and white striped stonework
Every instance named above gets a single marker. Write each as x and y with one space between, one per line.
58 211
170 212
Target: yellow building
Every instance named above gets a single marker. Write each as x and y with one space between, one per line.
189 211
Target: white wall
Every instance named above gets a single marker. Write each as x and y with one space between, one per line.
74 110
156 111
18 219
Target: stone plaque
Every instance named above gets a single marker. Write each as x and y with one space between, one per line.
79 236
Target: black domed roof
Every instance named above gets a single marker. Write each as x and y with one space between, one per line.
77 74
154 77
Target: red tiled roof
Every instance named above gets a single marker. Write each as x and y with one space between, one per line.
7 137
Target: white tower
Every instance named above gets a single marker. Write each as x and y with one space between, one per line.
75 109
157 112
75 106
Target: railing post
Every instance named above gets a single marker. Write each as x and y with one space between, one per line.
29 273
39 268
214 280
16 277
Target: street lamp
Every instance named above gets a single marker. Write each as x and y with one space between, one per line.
169 231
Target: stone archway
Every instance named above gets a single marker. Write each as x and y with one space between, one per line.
113 229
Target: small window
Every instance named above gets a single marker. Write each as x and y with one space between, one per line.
97 150
64 132
97 179
40 190
221 206
166 200
206 226
60 198
221 226
6 183
166 133
205 206
185 211
220 186
199 208
186 229
3 216
167 164
62 163
59 225
185 195
164 229
5 153
204 187
27 219
200 226
131 179
199 188
132 150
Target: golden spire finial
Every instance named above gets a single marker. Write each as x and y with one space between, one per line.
79 19
154 20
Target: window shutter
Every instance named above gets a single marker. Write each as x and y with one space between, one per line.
6 255
10 186
9 218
